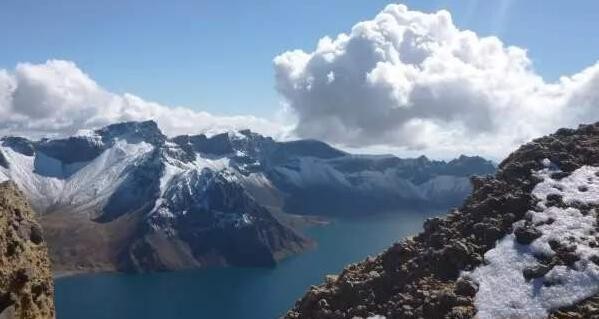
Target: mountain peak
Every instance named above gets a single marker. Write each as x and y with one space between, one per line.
19 144
133 131
422 159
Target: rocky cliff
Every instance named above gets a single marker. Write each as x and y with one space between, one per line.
523 245
26 289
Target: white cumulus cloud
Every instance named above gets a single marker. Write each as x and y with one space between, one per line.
413 81
57 98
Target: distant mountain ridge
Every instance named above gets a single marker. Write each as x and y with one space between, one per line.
191 201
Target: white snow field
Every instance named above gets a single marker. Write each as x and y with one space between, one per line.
503 290
76 184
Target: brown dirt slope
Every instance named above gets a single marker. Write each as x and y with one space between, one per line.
26 288
79 245
419 277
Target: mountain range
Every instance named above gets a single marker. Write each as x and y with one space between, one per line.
128 198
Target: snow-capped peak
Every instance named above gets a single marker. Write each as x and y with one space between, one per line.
49 182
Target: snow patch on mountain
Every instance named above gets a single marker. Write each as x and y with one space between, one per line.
444 184
49 182
96 181
308 171
257 179
504 292
387 180
175 167
311 171
22 171
89 135
215 164
180 172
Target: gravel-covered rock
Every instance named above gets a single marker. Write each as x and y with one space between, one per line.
420 276
26 288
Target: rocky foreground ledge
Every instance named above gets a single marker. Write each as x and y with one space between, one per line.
26 288
523 245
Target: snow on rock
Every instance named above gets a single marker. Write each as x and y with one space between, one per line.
444 184
174 167
215 164
176 171
97 180
372 180
49 182
258 179
504 292
90 135
310 171
23 172
307 172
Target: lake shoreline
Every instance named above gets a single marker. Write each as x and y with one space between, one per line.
233 292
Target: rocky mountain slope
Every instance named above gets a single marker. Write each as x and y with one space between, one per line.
26 288
142 201
523 245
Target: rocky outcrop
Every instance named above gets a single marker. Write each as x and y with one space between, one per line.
420 277
26 288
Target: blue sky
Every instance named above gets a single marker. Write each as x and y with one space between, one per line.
217 55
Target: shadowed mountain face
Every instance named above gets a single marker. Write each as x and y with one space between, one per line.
147 202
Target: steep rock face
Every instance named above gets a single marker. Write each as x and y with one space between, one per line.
142 201
26 288
524 244
219 225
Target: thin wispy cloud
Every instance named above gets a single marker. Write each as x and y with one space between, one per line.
500 20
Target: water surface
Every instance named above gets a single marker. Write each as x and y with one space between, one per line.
233 293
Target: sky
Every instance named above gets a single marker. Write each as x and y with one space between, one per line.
190 53
217 58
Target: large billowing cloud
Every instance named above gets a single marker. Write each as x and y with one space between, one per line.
408 80
57 98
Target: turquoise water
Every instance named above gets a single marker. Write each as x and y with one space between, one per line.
232 293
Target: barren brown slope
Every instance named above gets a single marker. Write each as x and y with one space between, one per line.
419 277
77 244
26 288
